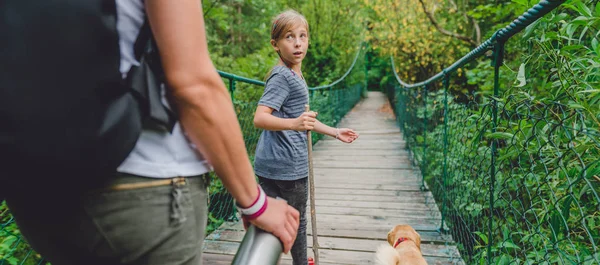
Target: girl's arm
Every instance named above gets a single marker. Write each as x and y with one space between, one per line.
324 129
206 111
264 119
343 134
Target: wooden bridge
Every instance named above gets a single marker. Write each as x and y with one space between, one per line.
362 190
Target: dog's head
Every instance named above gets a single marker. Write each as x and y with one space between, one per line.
404 231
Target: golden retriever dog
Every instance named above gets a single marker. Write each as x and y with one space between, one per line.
404 248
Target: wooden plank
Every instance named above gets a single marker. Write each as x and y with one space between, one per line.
376 205
402 213
360 164
427 235
335 243
396 193
428 246
365 147
366 144
418 198
362 173
367 182
395 132
396 139
373 186
333 256
385 158
402 184
358 152
222 259
358 222
404 175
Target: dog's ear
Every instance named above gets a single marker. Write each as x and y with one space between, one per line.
418 240
390 237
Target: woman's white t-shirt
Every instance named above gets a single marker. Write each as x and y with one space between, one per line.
157 154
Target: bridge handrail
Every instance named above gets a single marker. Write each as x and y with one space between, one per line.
502 35
234 78
345 75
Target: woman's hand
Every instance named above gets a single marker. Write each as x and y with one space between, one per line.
346 135
281 220
306 122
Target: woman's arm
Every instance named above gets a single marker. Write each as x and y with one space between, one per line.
206 111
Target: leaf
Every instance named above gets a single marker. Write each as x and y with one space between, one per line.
576 106
598 9
583 9
504 259
521 76
9 241
501 135
12 261
580 21
595 45
585 29
557 18
555 225
591 91
530 29
571 48
521 2
512 245
483 237
566 208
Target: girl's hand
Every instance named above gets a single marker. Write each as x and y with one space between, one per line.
346 135
305 122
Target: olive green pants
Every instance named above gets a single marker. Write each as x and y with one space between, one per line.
162 224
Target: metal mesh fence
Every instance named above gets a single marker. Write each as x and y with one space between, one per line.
530 198
516 177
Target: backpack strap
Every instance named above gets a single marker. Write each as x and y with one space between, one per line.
148 78
143 40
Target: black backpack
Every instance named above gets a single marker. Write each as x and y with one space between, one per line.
67 117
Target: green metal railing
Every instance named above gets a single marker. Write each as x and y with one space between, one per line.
331 101
516 179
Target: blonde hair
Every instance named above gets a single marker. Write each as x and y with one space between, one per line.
283 23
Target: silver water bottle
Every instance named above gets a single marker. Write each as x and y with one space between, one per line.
258 248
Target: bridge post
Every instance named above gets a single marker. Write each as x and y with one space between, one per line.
366 88
497 62
231 87
424 158
445 168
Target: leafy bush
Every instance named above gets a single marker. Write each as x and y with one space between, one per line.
539 161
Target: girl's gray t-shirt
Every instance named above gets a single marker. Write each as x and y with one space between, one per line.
283 155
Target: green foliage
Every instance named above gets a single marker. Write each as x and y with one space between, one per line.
239 34
540 161
13 249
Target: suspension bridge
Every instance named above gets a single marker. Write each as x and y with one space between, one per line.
484 179
362 190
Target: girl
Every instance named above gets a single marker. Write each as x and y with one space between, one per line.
281 160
